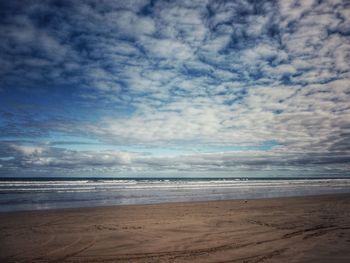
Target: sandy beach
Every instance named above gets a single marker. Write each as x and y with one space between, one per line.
300 229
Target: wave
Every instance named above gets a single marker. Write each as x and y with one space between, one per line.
119 185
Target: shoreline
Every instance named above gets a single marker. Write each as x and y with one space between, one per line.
34 195
174 203
288 229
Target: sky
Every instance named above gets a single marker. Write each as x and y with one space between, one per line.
174 88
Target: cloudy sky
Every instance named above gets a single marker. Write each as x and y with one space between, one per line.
175 88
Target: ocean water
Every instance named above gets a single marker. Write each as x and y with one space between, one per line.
36 194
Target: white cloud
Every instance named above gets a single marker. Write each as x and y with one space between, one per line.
129 24
28 150
166 48
186 72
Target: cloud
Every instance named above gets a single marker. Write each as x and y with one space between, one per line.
60 161
185 73
27 150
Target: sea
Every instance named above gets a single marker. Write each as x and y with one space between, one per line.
21 194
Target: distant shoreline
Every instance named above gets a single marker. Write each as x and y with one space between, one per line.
24 195
168 178
331 195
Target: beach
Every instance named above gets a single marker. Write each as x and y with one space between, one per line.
288 229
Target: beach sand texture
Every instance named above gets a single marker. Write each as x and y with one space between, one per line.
300 229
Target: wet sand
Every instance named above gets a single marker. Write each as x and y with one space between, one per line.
300 229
